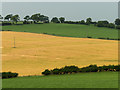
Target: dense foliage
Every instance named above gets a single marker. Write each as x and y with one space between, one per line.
118 27
75 69
117 21
55 20
9 75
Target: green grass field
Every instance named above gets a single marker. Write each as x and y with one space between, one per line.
67 30
80 80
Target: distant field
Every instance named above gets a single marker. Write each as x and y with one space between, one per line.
81 80
36 52
67 30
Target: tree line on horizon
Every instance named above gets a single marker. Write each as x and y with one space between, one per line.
38 18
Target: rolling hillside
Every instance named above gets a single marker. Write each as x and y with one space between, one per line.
36 52
66 30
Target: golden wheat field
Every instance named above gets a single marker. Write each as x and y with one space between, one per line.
36 52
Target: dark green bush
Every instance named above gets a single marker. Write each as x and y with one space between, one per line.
90 68
102 24
118 27
76 22
82 22
9 75
6 23
89 37
93 22
26 22
55 71
69 69
117 68
111 25
46 72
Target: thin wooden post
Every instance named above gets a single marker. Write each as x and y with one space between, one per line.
14 42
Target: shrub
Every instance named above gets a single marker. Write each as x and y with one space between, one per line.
102 38
102 23
46 72
46 21
89 37
90 68
6 23
118 27
93 22
26 22
45 33
70 69
111 25
82 22
9 75
55 71
70 22
117 67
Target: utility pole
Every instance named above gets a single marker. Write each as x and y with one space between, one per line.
14 43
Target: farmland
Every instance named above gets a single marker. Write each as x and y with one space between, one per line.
58 47
66 30
36 52
81 80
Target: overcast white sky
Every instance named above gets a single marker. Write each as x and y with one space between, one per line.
70 10
60 0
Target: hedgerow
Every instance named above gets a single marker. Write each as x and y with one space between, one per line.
9 75
75 69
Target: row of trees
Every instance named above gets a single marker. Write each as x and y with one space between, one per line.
75 69
45 19
35 17
56 20
98 24
10 17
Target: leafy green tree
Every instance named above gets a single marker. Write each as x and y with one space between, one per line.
8 17
15 18
41 18
36 17
1 17
27 18
55 20
88 21
117 21
44 19
62 19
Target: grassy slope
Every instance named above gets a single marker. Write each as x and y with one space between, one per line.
68 30
82 80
